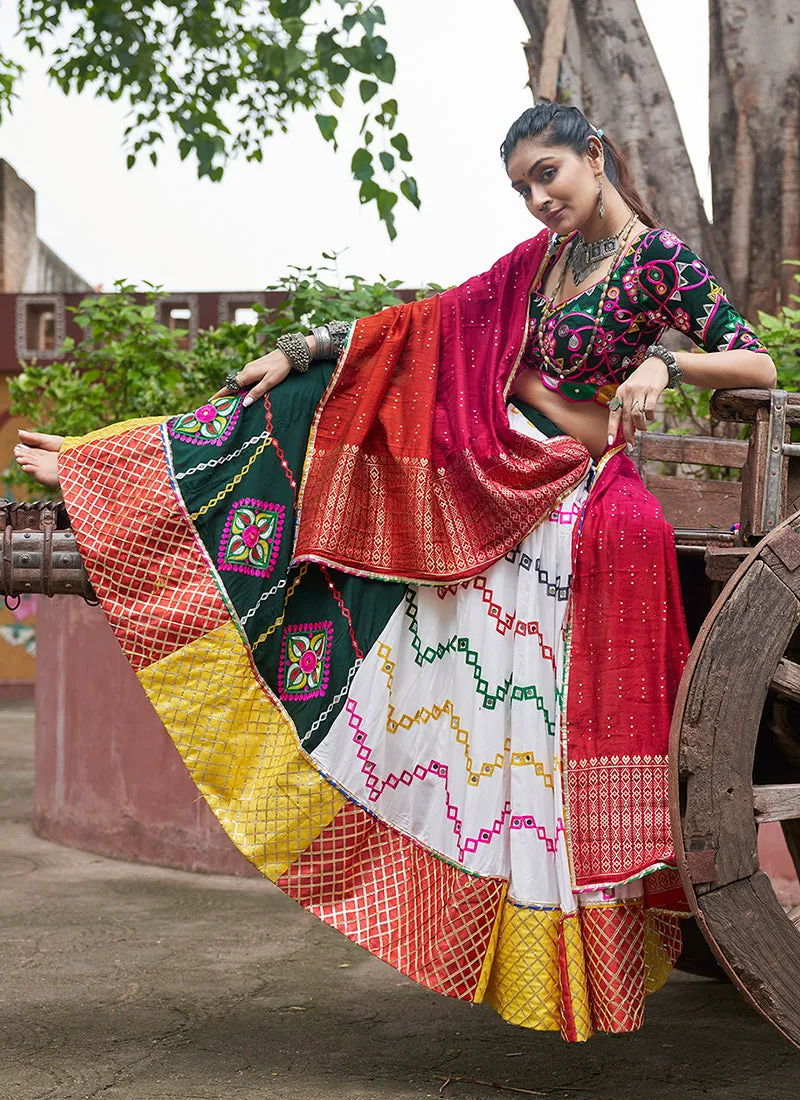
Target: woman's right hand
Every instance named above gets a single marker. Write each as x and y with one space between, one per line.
259 376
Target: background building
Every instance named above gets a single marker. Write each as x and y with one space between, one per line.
29 267
37 290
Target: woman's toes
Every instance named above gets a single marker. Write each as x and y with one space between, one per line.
40 464
39 439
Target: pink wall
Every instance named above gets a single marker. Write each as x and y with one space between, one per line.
777 863
108 778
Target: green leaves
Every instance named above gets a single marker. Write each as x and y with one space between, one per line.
222 77
400 142
409 189
10 72
127 363
327 127
781 336
361 165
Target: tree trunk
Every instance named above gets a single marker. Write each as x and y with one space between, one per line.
755 95
552 48
610 70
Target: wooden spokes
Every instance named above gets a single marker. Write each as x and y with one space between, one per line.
786 681
740 683
776 802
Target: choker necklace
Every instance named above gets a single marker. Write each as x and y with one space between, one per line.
586 256
551 306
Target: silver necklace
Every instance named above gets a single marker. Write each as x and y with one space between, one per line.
586 256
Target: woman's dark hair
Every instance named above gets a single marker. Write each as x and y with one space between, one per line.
557 124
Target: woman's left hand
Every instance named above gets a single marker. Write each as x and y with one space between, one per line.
639 394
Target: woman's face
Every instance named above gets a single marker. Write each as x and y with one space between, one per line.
558 186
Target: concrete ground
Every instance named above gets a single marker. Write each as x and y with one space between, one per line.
135 983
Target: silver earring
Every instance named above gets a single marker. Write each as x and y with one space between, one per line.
602 202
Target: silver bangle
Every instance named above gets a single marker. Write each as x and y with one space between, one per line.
295 347
340 331
330 339
674 372
322 342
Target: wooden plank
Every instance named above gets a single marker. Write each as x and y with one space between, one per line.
781 552
759 947
720 715
743 406
753 475
793 486
776 802
723 561
692 502
700 450
786 680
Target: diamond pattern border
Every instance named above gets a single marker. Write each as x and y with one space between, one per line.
138 547
421 915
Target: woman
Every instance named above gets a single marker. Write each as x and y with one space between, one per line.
412 620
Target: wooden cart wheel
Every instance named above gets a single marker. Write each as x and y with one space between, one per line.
738 709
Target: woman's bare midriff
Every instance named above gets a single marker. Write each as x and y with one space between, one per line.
583 420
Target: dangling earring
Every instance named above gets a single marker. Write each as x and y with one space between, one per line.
602 202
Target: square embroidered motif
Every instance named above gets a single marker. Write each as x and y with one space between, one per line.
305 660
252 537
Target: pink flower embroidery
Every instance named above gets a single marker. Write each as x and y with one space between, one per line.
251 538
304 667
211 423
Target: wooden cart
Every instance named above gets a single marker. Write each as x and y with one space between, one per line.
735 749
735 740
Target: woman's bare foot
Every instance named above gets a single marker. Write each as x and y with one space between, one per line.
37 455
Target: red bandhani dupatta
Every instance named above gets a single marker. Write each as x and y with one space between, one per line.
413 472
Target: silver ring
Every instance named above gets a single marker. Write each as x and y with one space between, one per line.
233 383
615 403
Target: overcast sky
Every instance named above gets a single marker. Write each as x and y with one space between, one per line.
460 83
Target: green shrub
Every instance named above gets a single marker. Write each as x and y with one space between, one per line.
127 364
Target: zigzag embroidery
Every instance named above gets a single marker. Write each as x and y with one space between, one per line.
552 587
437 769
455 644
435 712
509 620
213 462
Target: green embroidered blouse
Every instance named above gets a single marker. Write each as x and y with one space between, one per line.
658 283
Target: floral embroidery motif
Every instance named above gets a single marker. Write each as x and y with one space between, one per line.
211 423
304 667
252 536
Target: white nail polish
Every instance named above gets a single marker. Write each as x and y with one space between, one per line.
247 401
611 441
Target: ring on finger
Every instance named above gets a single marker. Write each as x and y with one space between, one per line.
615 403
232 382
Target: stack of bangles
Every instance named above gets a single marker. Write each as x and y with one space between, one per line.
329 340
